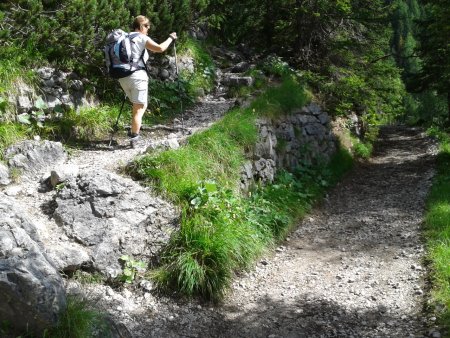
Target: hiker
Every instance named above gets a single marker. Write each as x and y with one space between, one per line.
136 84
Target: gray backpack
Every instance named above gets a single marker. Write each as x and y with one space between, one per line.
118 56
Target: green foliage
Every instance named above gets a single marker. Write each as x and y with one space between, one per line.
79 320
15 68
282 99
437 226
426 108
204 72
217 152
10 133
434 48
131 268
274 65
87 124
222 232
362 149
403 41
214 240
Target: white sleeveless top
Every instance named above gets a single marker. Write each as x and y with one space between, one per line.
137 47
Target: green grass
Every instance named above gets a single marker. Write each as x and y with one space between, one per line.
221 231
84 125
362 149
282 99
215 153
437 232
10 133
16 65
80 320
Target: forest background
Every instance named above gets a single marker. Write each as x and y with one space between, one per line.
381 59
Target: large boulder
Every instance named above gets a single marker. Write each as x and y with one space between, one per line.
31 289
110 216
32 158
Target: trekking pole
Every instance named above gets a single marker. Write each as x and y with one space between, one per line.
114 128
178 82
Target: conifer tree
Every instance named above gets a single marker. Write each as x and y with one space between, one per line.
434 48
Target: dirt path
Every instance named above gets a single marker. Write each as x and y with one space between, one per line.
353 267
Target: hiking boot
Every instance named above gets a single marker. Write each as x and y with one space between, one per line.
134 139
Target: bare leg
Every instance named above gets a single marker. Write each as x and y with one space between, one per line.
138 113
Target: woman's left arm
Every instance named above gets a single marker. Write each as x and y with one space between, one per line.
159 48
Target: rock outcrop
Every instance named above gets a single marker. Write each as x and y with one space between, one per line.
31 288
110 216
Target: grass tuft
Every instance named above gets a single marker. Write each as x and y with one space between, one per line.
10 133
84 125
80 320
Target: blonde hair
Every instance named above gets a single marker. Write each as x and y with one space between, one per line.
140 21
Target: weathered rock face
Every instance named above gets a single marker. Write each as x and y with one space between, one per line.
4 175
304 137
58 90
31 289
33 157
110 216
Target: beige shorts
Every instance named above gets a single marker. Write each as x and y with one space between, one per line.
136 88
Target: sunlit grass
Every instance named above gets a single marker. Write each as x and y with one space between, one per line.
437 231
10 133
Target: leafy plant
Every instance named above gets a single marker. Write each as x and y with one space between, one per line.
131 268
36 118
274 65
362 149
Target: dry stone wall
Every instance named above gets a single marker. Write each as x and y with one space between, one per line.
303 137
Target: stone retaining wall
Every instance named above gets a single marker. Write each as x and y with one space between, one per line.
303 137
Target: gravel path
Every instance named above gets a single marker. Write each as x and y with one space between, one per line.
353 267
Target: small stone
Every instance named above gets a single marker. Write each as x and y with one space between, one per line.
435 334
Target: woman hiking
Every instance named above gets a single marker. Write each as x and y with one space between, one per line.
136 84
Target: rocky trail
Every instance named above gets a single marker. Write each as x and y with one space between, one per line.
352 268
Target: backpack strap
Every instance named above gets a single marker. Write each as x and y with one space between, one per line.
131 37
142 58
